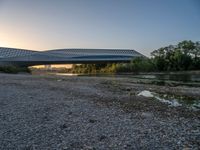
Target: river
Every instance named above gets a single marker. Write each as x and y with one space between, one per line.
191 79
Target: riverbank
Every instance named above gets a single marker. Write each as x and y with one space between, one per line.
56 112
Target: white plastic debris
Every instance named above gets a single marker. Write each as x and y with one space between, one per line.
146 93
173 102
196 106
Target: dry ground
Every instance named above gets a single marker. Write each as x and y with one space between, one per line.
45 112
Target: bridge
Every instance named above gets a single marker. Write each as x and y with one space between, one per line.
22 57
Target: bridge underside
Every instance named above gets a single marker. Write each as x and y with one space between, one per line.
19 57
34 63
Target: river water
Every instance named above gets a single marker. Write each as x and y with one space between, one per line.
180 77
171 77
193 78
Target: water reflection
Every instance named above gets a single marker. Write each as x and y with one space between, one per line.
183 77
66 74
173 100
171 77
178 77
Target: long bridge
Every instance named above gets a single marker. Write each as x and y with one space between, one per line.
22 57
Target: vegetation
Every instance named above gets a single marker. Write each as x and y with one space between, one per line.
181 57
94 68
13 69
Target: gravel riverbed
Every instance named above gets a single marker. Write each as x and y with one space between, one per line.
51 112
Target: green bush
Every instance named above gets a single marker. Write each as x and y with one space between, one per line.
181 57
14 69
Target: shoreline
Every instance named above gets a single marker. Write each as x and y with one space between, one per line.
91 112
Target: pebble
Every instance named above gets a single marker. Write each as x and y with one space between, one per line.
74 116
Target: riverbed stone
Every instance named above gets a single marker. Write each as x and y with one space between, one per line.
83 113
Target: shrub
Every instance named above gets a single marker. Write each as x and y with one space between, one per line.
14 69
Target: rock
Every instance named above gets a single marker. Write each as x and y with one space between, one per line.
102 137
147 115
146 93
63 126
92 120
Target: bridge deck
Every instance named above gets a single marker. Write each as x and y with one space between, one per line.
21 57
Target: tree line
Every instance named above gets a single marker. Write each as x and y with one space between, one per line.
181 57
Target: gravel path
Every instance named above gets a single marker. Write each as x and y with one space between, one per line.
90 113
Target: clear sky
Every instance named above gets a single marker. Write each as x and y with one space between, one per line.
143 25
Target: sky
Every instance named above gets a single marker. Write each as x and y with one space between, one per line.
143 25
